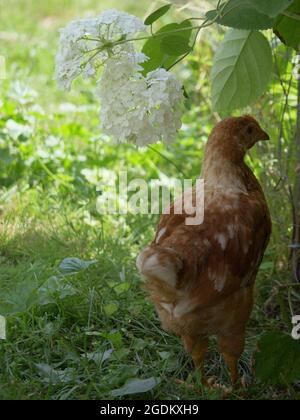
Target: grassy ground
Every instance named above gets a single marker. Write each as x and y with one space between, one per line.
83 333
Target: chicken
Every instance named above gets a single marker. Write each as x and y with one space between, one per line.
201 277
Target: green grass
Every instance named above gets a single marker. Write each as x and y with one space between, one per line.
47 213
61 334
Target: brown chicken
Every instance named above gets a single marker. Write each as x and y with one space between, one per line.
201 277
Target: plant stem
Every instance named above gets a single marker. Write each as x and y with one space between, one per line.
143 38
158 35
52 175
199 18
283 309
296 197
186 54
205 24
287 286
167 159
292 15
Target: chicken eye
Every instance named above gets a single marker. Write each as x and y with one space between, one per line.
250 129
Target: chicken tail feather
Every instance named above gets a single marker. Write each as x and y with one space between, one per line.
158 263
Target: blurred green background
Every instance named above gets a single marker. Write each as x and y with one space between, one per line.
81 334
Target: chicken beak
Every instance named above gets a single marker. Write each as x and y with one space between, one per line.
264 136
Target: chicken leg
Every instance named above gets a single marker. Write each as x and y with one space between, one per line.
232 347
197 347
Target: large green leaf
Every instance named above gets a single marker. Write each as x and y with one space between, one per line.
242 14
175 45
157 14
156 56
288 28
278 359
153 48
241 70
135 386
271 8
73 265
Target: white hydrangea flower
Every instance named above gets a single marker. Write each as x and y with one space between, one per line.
139 109
77 55
134 108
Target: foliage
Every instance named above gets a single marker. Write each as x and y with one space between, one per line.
278 359
157 14
250 14
242 55
85 333
159 56
135 386
287 28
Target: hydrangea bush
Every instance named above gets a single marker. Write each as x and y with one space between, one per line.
141 100
135 107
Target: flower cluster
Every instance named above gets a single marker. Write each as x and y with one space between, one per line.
87 43
134 108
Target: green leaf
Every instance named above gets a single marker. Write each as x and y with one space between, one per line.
288 29
153 50
111 308
271 8
278 359
20 298
267 266
53 376
175 45
120 354
54 289
135 386
98 356
122 374
115 338
74 265
122 287
156 57
242 14
157 14
241 70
